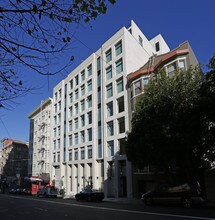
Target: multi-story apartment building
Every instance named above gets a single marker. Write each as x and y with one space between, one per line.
14 160
180 58
40 140
91 115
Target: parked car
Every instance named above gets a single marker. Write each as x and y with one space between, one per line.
182 194
48 191
89 195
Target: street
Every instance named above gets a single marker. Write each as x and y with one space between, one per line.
33 208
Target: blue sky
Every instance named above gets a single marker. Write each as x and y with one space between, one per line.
176 21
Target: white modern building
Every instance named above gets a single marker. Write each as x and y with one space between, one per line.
40 140
90 116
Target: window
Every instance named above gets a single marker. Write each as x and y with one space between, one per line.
55 120
121 125
82 137
71 97
89 86
118 48
82 153
157 46
119 84
82 90
70 140
70 112
83 75
119 66
76 80
76 123
55 108
55 145
89 101
108 56
58 143
58 158
109 73
55 96
55 132
140 41
182 65
89 70
120 103
89 151
110 148
82 121
70 125
76 108
89 131
70 155
89 117
110 129
109 90
76 94
137 87
76 138
58 130
60 93
54 158
109 109
121 146
59 118
76 154
82 105
59 106
71 84
145 81
171 69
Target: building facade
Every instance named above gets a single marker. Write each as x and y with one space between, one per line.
14 160
91 116
40 140
180 58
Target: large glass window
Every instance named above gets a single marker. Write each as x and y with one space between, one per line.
109 109
121 125
82 121
89 149
89 86
70 97
76 94
82 105
82 153
76 138
109 90
82 137
89 70
118 48
83 75
120 103
70 125
108 56
109 73
70 155
76 108
110 148
89 101
89 131
70 140
70 112
82 90
119 66
71 84
89 117
76 80
119 84
110 128
76 123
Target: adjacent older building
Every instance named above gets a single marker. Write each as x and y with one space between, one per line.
40 140
90 115
180 58
14 160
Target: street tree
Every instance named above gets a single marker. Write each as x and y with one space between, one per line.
34 33
166 127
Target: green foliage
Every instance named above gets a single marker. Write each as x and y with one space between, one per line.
165 130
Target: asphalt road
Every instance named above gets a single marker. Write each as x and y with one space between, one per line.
33 208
